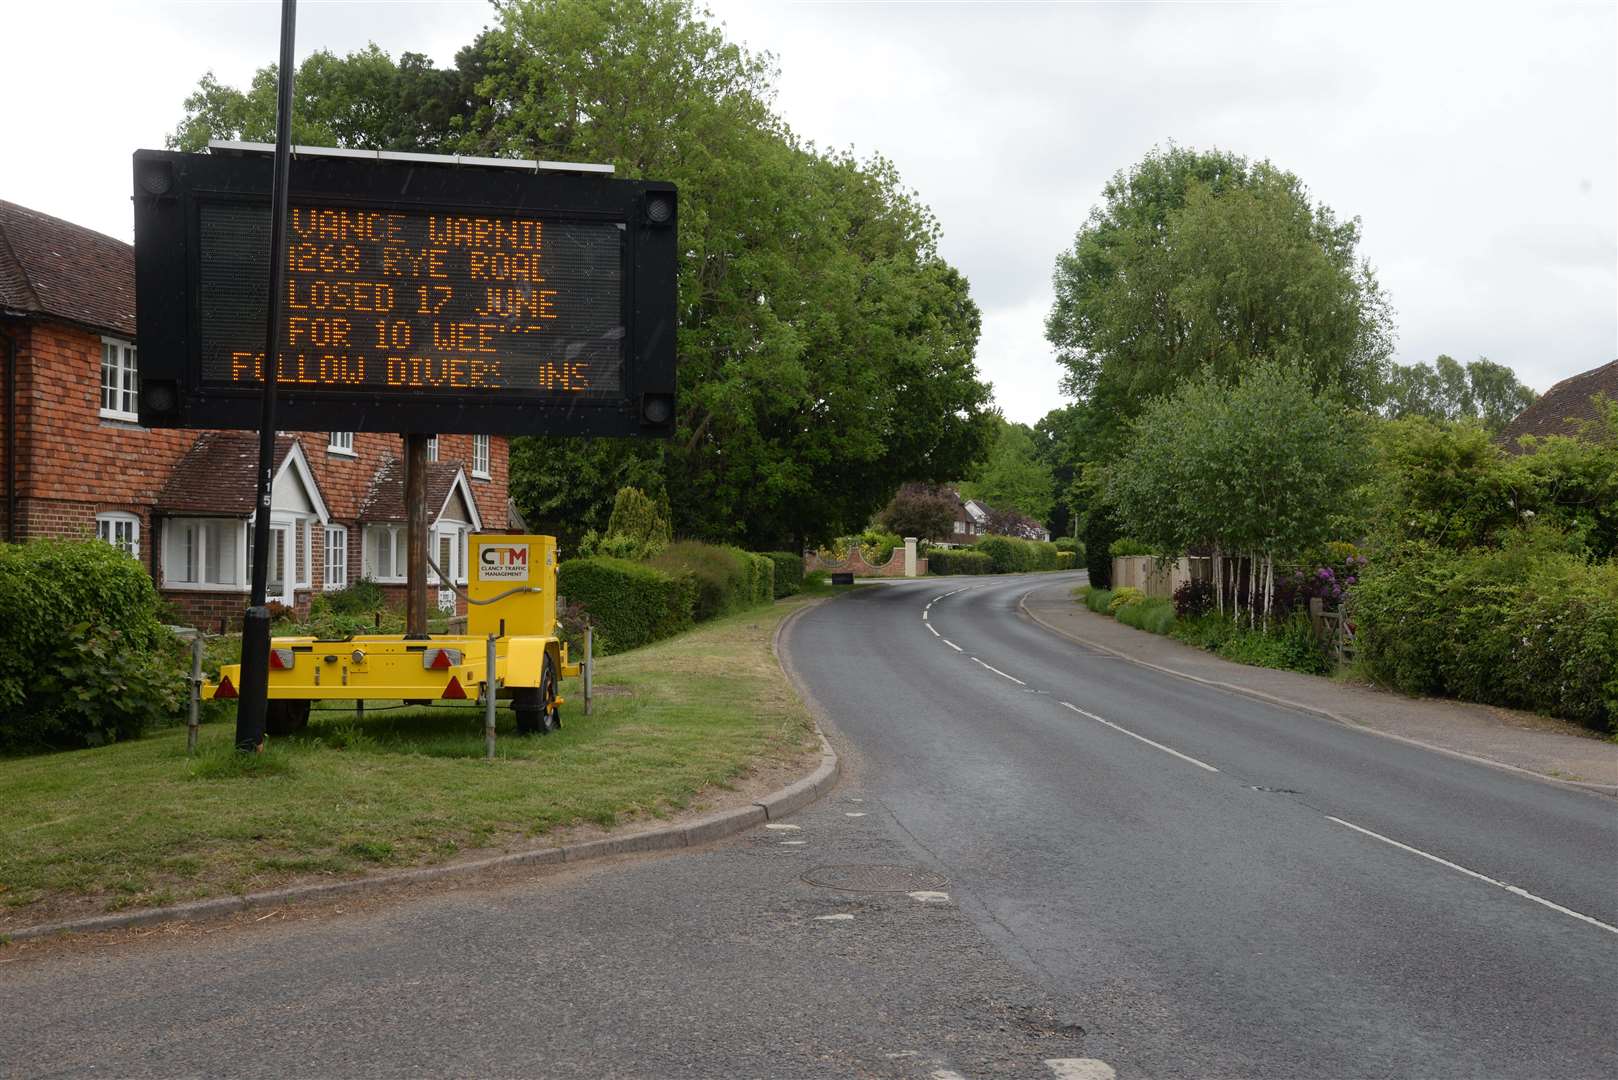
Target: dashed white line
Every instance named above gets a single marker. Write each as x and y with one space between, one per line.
783 828
923 614
998 672
1524 893
929 896
935 632
1080 1069
1142 738
951 644
834 918
946 1074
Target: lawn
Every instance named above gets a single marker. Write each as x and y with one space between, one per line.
141 823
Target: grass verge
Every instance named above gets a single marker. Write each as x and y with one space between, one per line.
140 823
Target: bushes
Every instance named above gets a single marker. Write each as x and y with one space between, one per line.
1066 543
1193 599
763 568
1528 625
1065 560
1009 555
1124 547
1153 616
83 657
726 577
1100 530
363 597
958 561
630 604
1124 596
1098 600
788 572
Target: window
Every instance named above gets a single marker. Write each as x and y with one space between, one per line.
385 553
122 531
118 380
336 557
480 456
960 526
342 442
204 553
449 544
432 448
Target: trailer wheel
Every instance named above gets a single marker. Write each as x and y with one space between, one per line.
535 707
286 717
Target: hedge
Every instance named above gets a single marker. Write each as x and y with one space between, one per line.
958 561
84 657
1009 555
630 604
763 578
788 572
1100 530
727 578
1520 626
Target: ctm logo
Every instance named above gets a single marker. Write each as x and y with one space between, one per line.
513 556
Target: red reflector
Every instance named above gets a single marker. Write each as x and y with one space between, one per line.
226 688
453 690
440 660
282 659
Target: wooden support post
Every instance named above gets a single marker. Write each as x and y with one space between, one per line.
194 719
415 497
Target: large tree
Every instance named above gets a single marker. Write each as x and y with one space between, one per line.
1448 390
1203 261
1013 476
826 350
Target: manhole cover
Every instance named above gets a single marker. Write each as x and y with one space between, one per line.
875 879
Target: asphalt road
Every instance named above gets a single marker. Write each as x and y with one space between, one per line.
1063 894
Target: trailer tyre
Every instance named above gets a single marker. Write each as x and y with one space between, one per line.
286 717
535 707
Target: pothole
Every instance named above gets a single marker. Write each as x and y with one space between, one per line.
875 878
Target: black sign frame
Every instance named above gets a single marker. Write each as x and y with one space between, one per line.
170 189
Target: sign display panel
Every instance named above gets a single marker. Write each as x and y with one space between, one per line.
417 298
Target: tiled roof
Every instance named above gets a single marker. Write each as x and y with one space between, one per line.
1564 404
384 501
218 475
53 267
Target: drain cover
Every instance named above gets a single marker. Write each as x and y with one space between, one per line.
875 878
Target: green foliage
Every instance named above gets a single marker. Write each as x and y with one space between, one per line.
958 561
328 623
1529 624
1289 644
630 604
725 577
1009 555
639 518
361 597
1483 391
788 572
1067 543
1125 597
1153 616
83 658
877 547
1100 530
1066 560
1013 476
763 577
1125 547
1098 600
925 511
1203 260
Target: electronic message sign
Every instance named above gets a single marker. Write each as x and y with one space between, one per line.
419 297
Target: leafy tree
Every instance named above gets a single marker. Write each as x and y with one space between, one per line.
1058 446
1445 390
1013 476
922 510
1012 523
1203 260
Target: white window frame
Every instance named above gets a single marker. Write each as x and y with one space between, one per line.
459 533
395 532
336 572
342 443
960 527
480 457
108 528
119 399
432 448
234 536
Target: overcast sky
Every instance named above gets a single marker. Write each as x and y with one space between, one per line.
1477 143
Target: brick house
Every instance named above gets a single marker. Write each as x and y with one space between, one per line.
78 463
1564 406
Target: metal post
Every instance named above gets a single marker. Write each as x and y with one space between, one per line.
415 496
489 687
195 717
589 667
253 701
359 709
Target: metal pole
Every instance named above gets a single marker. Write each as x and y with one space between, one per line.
195 717
254 691
415 496
589 667
488 707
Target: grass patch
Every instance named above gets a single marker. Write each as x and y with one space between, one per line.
128 824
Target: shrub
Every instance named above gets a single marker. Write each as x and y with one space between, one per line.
1124 547
1125 596
83 657
1194 599
1290 645
763 568
639 518
958 561
630 604
1100 530
362 597
1098 600
925 511
1065 560
788 572
1066 543
612 546
876 548
1009 555
1153 616
724 576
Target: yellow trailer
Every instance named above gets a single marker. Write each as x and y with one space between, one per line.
511 596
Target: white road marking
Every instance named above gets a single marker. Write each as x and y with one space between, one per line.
1081 1069
935 632
1481 877
793 843
928 896
936 599
834 918
998 672
946 1074
1142 738
784 828
951 644
923 614
853 813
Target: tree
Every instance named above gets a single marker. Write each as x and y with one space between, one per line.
927 511
1202 260
1058 447
1445 390
1013 477
1011 523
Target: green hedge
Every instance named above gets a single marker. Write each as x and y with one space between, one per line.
727 578
630 604
1100 530
788 572
763 578
84 658
1010 555
958 561
1153 616
1066 559
1522 626
1098 600
1066 543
